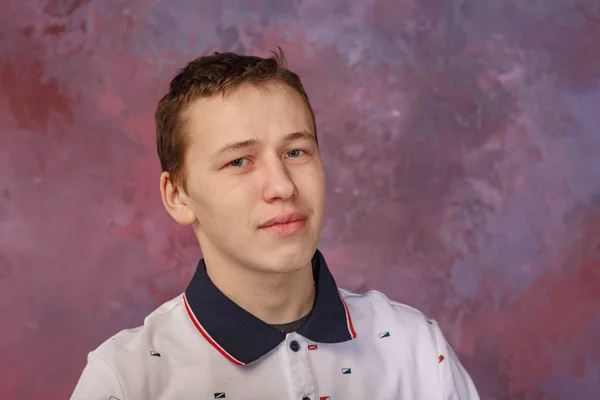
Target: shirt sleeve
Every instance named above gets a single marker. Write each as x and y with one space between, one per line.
456 382
98 381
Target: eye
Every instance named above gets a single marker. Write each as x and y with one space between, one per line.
295 153
238 162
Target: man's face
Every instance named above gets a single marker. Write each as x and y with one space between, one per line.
252 156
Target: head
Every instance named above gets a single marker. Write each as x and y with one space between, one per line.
238 148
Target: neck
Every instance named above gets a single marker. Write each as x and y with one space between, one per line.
275 298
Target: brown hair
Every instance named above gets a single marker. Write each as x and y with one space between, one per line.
207 76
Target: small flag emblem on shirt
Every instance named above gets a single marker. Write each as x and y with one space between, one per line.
384 335
154 353
219 395
324 398
312 347
346 371
441 358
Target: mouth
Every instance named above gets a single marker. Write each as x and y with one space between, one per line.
284 224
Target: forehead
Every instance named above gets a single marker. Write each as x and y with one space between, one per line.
266 113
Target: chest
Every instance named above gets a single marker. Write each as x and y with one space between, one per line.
299 370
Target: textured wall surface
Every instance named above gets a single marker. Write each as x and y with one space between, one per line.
463 153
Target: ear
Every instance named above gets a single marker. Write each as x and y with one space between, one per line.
176 201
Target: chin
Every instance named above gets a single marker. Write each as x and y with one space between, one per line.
285 259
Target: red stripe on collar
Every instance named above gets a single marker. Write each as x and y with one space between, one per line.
348 317
209 339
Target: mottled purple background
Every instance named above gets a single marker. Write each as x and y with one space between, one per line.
463 154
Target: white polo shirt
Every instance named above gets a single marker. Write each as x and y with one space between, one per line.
201 345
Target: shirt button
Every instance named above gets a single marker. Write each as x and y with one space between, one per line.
295 346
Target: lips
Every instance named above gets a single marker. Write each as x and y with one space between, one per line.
283 219
285 225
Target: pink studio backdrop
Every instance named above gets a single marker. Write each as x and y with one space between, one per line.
462 148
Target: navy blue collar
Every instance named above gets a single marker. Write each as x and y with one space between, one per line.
243 338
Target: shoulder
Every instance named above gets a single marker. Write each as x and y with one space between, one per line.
373 308
132 345
375 298
119 367
414 335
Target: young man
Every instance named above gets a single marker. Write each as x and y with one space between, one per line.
262 318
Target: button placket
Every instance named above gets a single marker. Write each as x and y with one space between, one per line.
301 379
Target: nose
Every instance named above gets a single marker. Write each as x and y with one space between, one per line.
278 185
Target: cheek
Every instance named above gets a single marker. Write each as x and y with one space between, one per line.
222 203
312 185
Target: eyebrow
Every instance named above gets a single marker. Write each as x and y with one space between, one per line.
246 144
